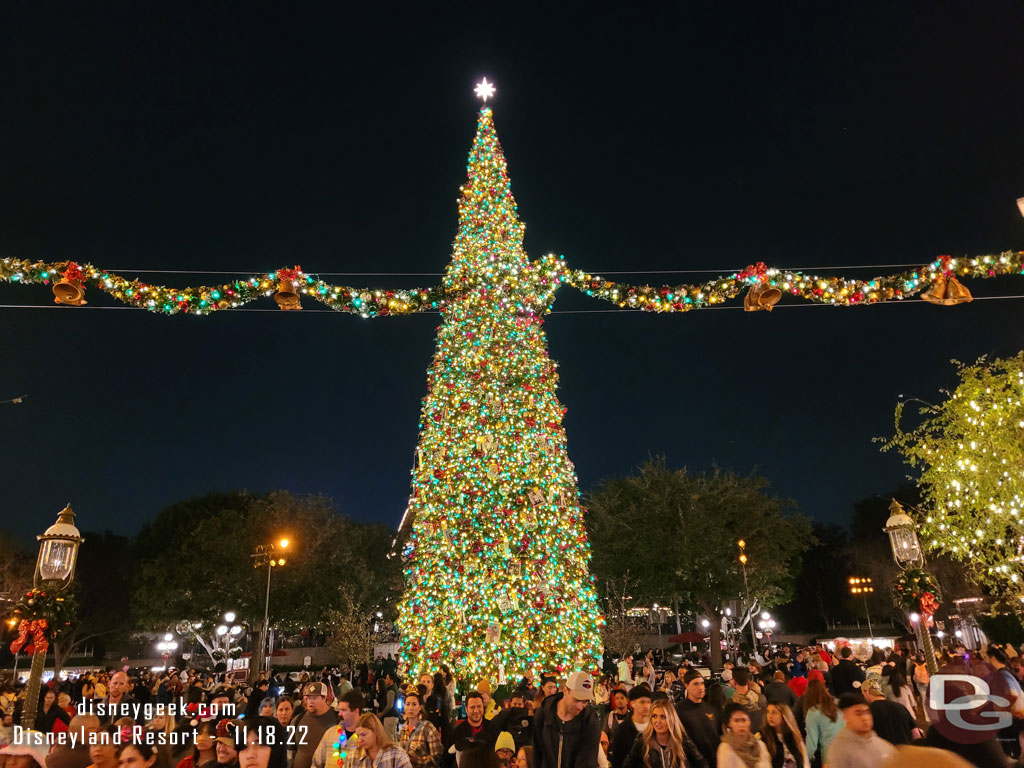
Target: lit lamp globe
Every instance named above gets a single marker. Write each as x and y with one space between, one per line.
58 551
906 549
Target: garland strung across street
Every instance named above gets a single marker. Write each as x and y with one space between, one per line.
937 283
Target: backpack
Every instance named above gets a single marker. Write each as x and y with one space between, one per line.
750 701
921 674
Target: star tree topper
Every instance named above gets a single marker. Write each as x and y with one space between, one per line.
484 90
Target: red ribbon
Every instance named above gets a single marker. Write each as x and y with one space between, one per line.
944 263
291 275
36 628
929 605
73 272
759 270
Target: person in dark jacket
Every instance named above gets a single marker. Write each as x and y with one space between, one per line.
699 718
626 733
845 674
777 692
566 728
516 720
475 726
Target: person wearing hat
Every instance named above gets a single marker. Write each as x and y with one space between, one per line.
505 748
30 752
622 742
698 717
893 721
857 745
317 718
566 729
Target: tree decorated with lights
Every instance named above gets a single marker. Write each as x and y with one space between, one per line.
496 550
970 450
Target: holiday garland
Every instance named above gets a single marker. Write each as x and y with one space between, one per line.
547 274
916 590
43 615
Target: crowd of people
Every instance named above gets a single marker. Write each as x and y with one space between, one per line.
803 707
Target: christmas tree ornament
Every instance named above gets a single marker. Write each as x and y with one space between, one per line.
287 295
493 635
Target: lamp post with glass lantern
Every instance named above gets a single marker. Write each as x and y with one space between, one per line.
746 588
55 570
906 551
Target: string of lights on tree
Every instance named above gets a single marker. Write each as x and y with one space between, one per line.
496 552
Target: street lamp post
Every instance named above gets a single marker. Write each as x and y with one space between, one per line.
266 555
746 588
55 570
906 551
166 647
862 586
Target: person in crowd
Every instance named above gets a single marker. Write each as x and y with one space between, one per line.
892 721
225 746
117 693
391 704
740 748
418 737
285 710
204 751
781 736
921 676
103 749
351 707
777 692
373 747
261 747
516 719
64 755
524 757
665 744
24 754
50 713
821 719
626 733
505 748
857 745
566 729
698 717
136 755
318 718
160 728
1009 737
475 726
846 675
619 710
745 695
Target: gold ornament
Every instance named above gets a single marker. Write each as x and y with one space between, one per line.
947 292
761 296
287 296
70 292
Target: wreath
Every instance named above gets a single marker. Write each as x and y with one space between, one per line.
43 615
916 590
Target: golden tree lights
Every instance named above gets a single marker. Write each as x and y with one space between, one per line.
497 577
970 449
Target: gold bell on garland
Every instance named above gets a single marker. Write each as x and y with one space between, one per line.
70 289
947 291
287 296
761 296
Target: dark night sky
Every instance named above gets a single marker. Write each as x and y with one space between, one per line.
233 136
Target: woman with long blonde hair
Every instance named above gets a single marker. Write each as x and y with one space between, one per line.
664 743
373 747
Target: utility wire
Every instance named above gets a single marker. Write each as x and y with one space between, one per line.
553 312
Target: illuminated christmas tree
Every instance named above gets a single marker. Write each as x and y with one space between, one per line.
497 577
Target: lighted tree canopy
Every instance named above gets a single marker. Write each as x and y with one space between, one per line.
970 451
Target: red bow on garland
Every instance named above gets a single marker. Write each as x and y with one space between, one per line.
759 271
290 275
73 272
36 628
929 605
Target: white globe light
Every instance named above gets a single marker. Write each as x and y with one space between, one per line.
914 617
222 630
766 615
236 630
705 623
958 633
229 616
168 637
